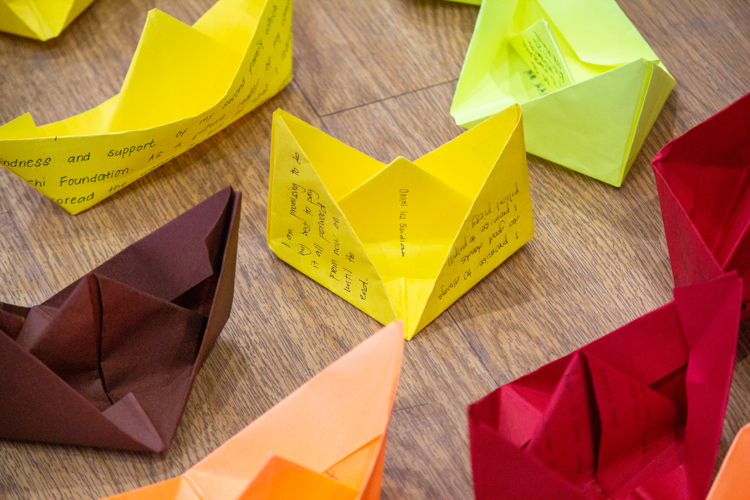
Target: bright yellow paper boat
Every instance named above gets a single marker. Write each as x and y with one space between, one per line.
325 441
403 240
590 86
39 19
184 85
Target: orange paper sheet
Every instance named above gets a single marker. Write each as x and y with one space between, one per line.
326 440
733 480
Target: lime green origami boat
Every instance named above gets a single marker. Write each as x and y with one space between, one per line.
590 86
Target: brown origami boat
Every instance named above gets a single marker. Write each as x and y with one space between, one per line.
110 360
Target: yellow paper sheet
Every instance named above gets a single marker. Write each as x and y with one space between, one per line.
184 85
39 19
403 240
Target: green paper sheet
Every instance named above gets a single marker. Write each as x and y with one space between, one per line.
589 84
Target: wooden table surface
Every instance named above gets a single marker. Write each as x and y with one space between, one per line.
379 75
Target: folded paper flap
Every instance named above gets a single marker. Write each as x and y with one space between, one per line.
340 410
223 290
705 308
691 259
499 222
51 410
172 61
500 467
482 148
636 423
431 211
649 348
128 415
235 30
281 479
598 31
713 339
174 258
567 436
326 154
306 227
12 318
145 341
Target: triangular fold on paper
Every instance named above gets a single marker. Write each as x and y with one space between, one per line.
408 238
572 116
296 188
128 415
482 147
325 153
67 340
280 479
338 412
636 424
354 470
565 440
501 212
182 60
69 416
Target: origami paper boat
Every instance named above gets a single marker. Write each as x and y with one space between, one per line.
39 19
325 441
590 86
110 360
184 85
733 481
635 414
703 179
403 240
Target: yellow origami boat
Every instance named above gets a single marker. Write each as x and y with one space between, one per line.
403 240
184 85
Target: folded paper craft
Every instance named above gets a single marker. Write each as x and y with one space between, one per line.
39 19
325 441
636 414
110 360
590 86
403 240
184 85
733 480
703 179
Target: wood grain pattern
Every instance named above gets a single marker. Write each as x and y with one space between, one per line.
380 76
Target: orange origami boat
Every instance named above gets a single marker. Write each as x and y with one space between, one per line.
326 440
733 480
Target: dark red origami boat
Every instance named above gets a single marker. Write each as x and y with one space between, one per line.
110 360
636 414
